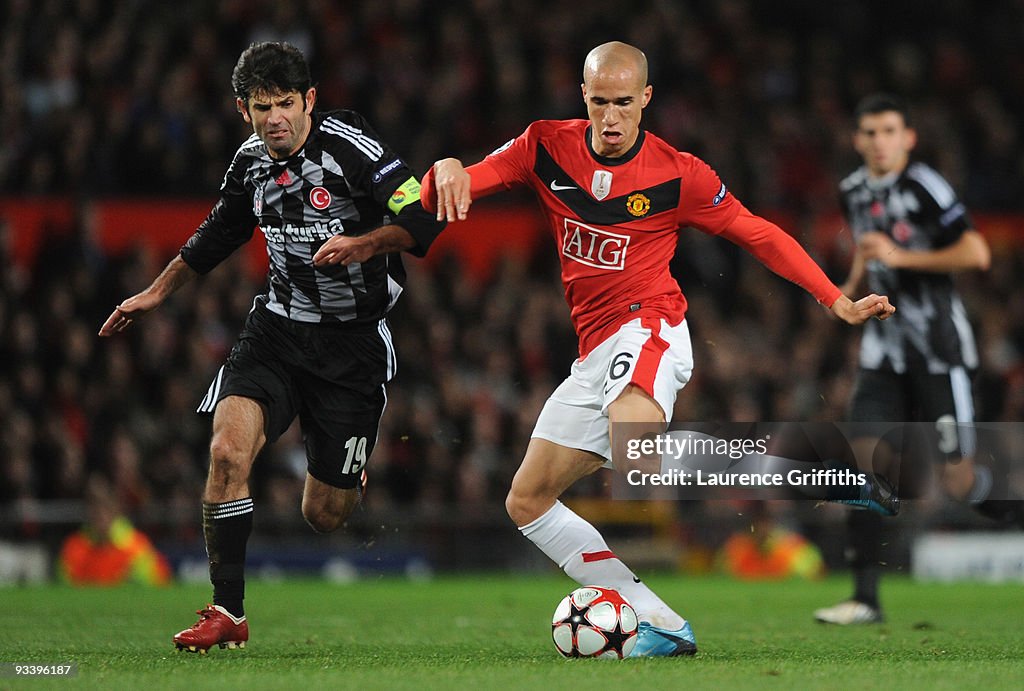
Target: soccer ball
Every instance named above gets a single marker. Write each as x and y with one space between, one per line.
594 622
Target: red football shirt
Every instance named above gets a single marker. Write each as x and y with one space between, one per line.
616 221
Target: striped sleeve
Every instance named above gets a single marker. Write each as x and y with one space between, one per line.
357 134
940 202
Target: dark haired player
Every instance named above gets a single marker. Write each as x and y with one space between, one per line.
912 234
316 344
615 198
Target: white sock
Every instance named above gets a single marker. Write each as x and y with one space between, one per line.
582 553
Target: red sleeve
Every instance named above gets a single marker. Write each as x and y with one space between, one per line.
704 201
777 250
428 195
484 181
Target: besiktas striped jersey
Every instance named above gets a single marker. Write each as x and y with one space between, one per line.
343 180
919 210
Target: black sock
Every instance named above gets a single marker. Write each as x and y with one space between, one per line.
865 554
226 528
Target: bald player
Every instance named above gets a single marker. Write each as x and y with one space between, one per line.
616 197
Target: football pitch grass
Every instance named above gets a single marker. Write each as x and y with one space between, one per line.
493 632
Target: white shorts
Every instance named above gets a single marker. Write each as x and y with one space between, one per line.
646 352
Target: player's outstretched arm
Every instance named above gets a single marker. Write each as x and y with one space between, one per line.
851 312
449 188
782 254
175 275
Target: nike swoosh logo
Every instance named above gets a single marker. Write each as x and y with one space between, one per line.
555 187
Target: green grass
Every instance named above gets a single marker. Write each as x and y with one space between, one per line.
492 632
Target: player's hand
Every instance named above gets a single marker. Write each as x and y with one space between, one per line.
879 246
344 250
453 196
877 306
128 311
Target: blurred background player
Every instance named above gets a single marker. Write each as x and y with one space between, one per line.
912 234
615 197
108 549
316 344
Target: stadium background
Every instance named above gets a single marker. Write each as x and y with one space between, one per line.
119 124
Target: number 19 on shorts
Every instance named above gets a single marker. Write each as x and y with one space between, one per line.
355 455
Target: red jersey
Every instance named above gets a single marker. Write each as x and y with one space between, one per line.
616 221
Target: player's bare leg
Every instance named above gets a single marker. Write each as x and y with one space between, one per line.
573 543
546 472
326 507
238 436
958 478
634 415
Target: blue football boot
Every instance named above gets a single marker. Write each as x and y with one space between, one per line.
874 495
654 642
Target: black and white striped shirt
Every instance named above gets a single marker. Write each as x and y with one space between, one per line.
919 210
343 180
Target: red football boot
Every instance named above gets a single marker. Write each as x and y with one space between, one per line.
215 627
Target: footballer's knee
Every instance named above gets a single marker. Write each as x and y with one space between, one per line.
226 452
325 513
230 462
321 520
525 508
237 437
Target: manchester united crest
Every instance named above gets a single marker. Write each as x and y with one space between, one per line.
638 204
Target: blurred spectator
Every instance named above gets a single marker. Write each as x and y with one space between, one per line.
108 549
127 97
769 551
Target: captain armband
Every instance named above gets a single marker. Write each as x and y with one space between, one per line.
407 193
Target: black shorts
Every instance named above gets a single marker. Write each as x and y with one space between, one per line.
331 376
930 417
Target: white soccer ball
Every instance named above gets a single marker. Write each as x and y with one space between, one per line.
594 622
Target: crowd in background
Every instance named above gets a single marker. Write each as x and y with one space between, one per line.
133 98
